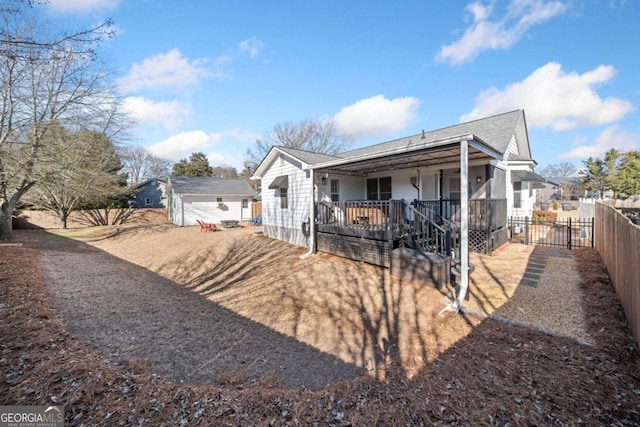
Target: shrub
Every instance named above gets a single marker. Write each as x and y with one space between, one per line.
555 206
544 216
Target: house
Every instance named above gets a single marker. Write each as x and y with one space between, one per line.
211 200
364 204
562 189
488 159
151 193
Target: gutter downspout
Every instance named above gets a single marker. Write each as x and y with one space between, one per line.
312 219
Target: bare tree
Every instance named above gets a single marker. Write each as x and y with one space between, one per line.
558 170
318 136
75 168
141 164
44 82
15 41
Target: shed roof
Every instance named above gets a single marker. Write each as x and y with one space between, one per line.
210 186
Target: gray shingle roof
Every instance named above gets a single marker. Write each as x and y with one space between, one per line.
208 185
496 131
308 157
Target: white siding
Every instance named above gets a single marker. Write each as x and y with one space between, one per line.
187 209
350 187
286 224
207 209
430 183
175 210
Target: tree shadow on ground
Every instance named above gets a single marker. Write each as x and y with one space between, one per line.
354 311
126 311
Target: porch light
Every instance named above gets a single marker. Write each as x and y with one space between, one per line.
324 180
478 179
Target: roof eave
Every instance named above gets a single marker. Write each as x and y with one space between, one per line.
476 142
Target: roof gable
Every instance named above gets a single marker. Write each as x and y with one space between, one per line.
209 185
305 157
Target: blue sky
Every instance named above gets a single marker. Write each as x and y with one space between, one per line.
212 76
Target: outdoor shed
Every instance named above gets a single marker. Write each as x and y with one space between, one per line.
211 200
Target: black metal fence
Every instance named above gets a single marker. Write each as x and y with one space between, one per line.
568 233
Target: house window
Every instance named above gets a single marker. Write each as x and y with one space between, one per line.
517 194
284 201
335 190
454 188
147 201
379 188
245 203
219 199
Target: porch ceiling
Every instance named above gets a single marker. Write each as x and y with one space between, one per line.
406 160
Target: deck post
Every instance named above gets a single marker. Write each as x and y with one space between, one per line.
464 223
312 218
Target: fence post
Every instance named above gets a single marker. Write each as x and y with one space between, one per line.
526 230
569 234
593 227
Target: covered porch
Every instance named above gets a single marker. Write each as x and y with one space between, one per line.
363 206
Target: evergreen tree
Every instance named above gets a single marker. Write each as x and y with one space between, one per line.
197 165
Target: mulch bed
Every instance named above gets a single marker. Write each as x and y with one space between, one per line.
499 375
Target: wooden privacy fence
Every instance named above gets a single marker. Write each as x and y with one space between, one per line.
617 240
256 209
27 219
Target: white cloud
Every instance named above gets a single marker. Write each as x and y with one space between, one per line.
83 6
500 33
609 138
168 69
183 144
376 116
553 98
222 147
251 46
169 114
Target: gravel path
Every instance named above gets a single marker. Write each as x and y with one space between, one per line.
126 311
549 296
536 286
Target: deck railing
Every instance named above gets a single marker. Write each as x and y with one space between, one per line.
375 219
484 214
429 232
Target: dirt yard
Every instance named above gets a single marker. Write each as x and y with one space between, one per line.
224 309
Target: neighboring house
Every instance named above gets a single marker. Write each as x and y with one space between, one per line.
152 193
562 189
211 200
362 200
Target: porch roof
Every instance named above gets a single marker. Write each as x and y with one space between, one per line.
416 153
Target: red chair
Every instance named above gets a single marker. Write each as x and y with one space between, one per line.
206 227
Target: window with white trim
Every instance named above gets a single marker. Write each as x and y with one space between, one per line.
379 188
335 190
517 194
